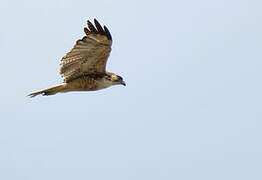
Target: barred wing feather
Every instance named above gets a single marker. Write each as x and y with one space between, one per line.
89 55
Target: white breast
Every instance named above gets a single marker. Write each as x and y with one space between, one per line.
104 83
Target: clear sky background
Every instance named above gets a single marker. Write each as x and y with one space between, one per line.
191 108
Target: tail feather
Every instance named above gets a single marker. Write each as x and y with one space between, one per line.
49 91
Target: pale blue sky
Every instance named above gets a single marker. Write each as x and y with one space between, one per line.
191 109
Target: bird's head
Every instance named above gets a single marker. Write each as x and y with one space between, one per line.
115 79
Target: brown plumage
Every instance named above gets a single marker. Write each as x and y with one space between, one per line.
83 68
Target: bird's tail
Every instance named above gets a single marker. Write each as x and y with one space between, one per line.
50 91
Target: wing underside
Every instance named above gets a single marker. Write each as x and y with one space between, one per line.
89 54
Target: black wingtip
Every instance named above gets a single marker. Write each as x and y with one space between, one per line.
91 27
86 31
107 33
97 29
96 21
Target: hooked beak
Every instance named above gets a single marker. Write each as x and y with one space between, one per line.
123 83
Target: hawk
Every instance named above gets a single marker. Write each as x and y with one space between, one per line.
84 67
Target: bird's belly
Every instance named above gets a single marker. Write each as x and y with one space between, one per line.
87 84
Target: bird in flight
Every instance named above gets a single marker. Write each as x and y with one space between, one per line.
84 67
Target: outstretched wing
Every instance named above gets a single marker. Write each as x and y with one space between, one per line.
89 55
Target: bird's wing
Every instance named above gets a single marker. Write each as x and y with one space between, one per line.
89 55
